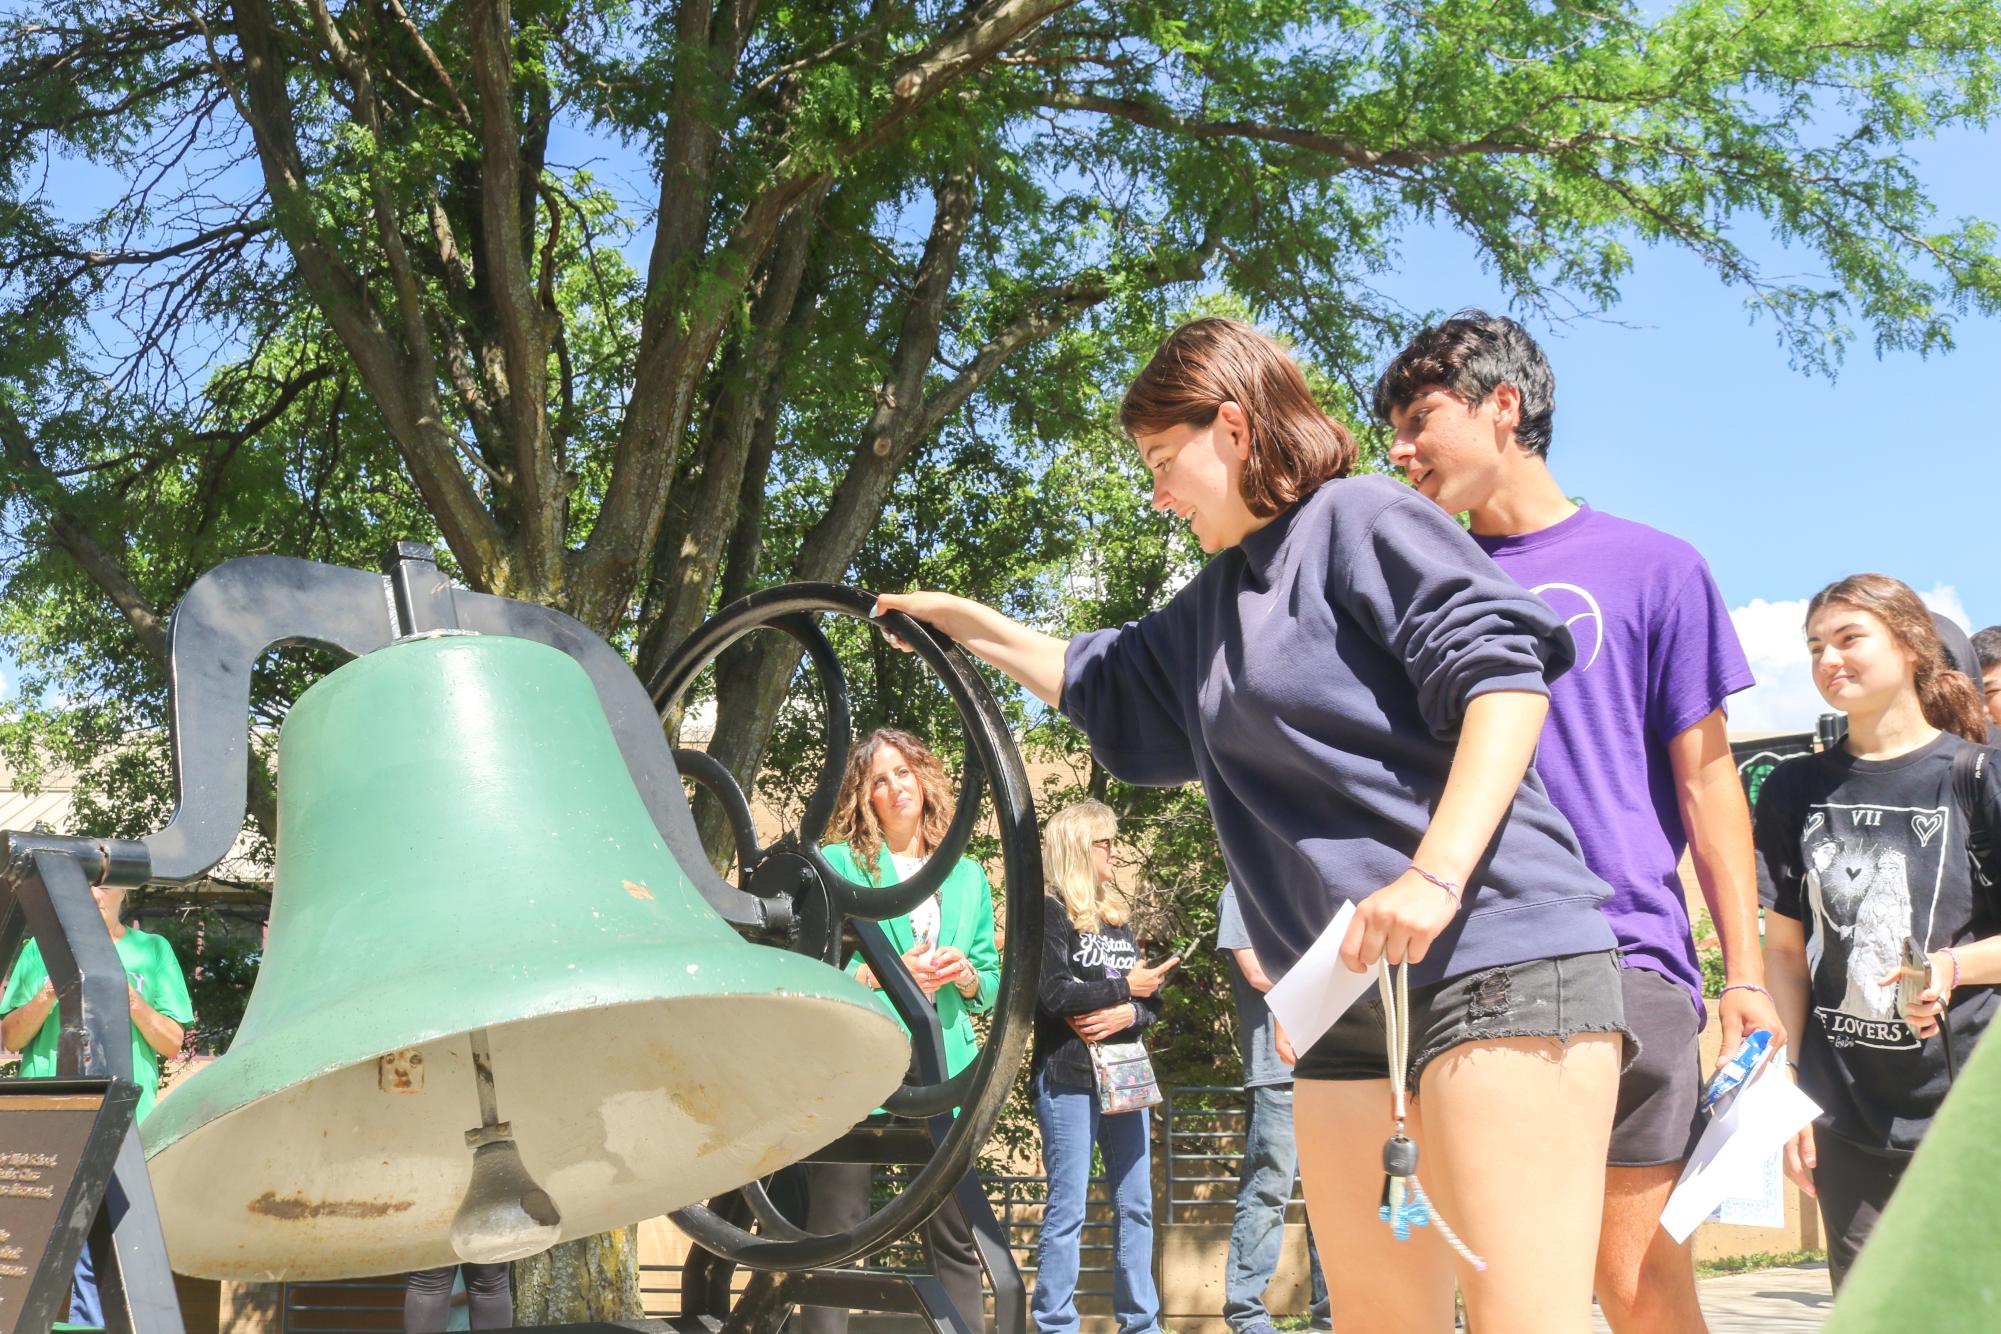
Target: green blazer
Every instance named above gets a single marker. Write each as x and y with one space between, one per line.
965 922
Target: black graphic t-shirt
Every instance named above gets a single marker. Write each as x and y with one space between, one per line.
1864 853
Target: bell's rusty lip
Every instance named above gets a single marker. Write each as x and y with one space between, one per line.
297 1208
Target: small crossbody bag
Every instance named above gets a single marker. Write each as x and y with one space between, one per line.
1124 1075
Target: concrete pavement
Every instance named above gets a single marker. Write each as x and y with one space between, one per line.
1770 1301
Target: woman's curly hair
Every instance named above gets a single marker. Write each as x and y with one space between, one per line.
854 821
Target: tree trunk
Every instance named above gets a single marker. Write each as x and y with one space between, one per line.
593 1278
740 412
250 1308
758 673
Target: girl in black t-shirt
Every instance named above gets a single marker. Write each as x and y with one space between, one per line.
1859 848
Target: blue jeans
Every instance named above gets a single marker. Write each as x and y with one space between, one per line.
1070 1124
1271 1164
85 1306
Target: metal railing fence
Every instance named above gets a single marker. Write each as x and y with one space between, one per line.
1201 1135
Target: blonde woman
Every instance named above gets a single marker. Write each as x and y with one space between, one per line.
893 810
1094 989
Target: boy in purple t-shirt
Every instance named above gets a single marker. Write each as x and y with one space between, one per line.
1634 755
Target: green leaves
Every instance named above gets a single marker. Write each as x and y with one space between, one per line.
292 324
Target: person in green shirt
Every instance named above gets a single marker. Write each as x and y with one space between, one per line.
893 810
157 995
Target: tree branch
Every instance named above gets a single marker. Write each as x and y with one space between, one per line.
688 302
693 537
70 531
1157 117
875 29
271 411
459 112
983 33
891 435
66 525
676 337
382 204
240 229
408 401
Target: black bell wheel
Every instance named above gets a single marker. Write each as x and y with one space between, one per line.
822 901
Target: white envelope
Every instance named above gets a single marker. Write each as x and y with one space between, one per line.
1766 1112
1319 988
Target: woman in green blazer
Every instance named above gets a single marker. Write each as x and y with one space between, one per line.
894 808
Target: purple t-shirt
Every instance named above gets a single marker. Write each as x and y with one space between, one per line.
1656 654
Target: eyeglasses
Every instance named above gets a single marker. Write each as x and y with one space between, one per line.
1104 843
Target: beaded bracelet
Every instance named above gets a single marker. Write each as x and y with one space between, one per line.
1443 884
1953 985
1744 986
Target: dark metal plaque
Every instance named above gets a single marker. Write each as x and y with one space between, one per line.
58 1141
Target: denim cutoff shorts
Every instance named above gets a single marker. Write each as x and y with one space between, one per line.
1538 998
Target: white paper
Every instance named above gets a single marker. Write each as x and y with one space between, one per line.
1319 988
1768 1111
1759 1201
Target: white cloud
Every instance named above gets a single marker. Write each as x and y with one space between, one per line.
1774 639
1784 699
1945 600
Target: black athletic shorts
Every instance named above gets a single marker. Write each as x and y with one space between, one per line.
1657 1121
1540 998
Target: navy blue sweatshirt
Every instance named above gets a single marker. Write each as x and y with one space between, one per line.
1313 678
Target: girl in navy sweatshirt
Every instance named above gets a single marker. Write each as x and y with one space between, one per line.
1359 689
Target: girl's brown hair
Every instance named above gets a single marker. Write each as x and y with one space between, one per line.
1950 700
1209 362
854 821
1066 865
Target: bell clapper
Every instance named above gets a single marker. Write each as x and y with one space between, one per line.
505 1215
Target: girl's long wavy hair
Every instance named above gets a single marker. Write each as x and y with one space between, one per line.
1951 701
1066 865
854 821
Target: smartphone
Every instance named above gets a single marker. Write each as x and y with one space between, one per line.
1917 975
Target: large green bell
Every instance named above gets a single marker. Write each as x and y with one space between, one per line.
463 861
